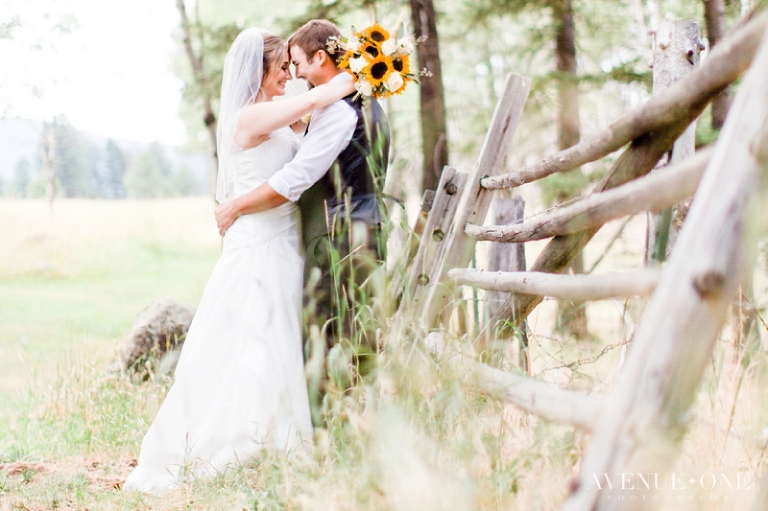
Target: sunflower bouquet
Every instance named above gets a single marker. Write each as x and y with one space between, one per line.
379 63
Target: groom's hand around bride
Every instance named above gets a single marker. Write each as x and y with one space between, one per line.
262 198
226 213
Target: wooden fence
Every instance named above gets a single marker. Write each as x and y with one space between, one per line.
688 296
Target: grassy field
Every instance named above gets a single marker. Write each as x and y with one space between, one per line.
72 282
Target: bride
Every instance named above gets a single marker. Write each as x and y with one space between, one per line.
239 385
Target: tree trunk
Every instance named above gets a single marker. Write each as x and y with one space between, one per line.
568 132
433 124
572 315
677 44
201 78
714 17
49 161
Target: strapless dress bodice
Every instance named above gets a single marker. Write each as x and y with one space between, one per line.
254 166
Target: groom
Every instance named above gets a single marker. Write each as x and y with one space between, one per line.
337 178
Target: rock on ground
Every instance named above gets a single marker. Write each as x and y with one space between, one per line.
155 339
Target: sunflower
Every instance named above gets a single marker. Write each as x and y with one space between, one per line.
344 60
376 34
379 65
371 49
378 70
402 64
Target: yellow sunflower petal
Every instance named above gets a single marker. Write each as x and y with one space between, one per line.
376 33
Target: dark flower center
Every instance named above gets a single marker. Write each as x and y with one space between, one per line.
377 36
398 65
378 70
372 51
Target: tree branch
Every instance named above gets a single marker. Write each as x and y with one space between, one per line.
198 72
725 64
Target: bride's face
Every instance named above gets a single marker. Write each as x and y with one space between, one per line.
279 73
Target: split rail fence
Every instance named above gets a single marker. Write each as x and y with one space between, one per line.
688 296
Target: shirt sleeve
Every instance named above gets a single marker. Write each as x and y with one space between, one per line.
330 131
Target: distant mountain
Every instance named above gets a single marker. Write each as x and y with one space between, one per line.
20 140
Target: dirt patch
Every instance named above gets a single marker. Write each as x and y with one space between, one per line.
106 473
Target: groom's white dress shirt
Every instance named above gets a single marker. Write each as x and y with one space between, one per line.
328 135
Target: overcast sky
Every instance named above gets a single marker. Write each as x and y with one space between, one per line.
110 75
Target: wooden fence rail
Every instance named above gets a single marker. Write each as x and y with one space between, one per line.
689 297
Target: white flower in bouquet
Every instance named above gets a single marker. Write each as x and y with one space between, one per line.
364 87
405 46
357 64
394 81
389 47
354 44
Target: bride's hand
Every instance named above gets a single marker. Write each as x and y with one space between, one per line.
225 214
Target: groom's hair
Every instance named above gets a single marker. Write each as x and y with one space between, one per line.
314 36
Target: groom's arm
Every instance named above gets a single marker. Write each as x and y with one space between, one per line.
329 133
261 199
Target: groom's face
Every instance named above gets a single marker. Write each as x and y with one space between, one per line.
306 67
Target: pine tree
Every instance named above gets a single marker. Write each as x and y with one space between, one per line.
115 167
149 175
22 178
72 166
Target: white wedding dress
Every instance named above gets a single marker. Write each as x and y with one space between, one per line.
239 385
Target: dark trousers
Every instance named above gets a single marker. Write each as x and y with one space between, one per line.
343 279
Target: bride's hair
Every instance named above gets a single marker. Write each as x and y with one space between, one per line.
314 36
274 50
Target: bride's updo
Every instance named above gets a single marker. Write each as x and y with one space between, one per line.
274 51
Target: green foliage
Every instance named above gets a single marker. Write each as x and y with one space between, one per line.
216 42
705 133
144 179
183 183
563 186
150 176
6 29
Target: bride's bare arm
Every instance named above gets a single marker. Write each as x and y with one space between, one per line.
262 118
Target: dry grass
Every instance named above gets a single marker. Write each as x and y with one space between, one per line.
414 437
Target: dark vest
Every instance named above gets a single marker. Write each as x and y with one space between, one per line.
352 187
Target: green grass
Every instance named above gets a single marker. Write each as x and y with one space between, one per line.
412 436
69 294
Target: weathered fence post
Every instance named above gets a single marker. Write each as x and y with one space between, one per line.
410 247
507 257
432 245
474 202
